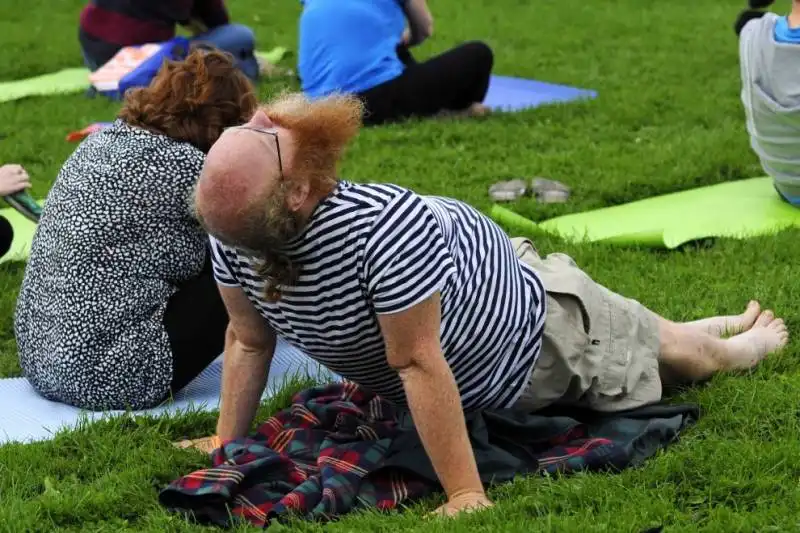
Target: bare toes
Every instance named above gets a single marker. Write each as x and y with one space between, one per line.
765 318
751 313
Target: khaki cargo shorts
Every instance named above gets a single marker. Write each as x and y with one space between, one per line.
599 349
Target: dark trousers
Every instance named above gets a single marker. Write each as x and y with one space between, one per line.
6 236
451 81
195 320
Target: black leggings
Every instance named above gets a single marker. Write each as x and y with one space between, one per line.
451 81
6 236
195 320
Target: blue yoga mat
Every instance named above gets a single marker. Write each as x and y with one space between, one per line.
27 417
515 94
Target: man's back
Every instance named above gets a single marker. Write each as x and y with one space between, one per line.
348 45
381 249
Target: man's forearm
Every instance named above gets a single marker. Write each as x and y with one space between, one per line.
439 418
244 375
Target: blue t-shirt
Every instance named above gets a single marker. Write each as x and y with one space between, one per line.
349 46
785 34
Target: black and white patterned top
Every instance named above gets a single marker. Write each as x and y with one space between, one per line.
372 249
115 238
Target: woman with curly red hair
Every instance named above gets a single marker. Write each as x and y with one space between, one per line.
118 307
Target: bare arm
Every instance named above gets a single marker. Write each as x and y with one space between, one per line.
249 347
413 349
420 22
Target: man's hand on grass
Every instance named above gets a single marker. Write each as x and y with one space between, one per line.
467 502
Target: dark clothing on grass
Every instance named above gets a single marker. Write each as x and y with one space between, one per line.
451 81
6 236
340 448
195 320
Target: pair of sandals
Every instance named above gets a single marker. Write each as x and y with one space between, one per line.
543 190
755 10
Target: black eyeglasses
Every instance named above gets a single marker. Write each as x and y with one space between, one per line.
267 131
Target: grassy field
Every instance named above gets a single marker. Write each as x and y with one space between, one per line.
668 118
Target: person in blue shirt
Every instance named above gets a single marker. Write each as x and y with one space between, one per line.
361 47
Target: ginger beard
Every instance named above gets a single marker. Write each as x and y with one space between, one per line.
264 236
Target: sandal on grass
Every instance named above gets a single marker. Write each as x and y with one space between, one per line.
543 190
508 191
549 191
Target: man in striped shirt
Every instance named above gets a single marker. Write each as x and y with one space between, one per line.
422 299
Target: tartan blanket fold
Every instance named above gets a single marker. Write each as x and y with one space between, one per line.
339 448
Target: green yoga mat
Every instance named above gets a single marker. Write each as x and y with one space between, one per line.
274 55
736 209
71 80
23 235
75 80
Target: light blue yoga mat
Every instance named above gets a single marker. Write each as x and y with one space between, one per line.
27 417
515 94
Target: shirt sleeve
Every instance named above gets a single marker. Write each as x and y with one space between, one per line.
223 273
406 258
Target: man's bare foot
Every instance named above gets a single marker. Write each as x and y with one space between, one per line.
722 326
746 350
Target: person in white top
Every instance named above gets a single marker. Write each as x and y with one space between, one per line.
422 299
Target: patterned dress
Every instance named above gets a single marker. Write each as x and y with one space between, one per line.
115 240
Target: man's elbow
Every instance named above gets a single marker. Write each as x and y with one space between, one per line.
249 341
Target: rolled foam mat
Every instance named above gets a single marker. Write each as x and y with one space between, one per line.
735 209
25 416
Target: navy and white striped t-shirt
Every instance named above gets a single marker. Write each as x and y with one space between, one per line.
373 249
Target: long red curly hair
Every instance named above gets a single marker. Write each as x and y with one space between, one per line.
193 100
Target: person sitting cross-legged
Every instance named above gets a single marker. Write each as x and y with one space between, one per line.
422 300
362 47
769 53
118 308
107 26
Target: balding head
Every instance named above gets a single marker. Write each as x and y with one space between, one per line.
241 170
263 180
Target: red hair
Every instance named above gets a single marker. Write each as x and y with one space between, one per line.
193 100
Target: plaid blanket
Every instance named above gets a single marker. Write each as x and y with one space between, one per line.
338 448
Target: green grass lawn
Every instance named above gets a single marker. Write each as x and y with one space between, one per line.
668 118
